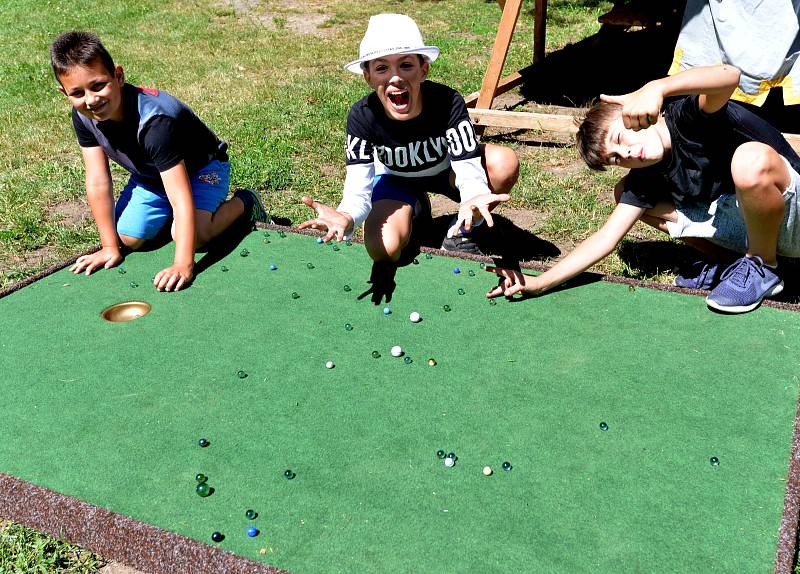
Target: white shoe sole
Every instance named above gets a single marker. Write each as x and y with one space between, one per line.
744 308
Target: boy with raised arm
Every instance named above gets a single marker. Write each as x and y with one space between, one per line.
702 169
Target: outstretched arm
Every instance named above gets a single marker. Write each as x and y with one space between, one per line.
335 223
587 253
179 192
99 193
714 84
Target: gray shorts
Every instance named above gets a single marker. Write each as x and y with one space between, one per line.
722 222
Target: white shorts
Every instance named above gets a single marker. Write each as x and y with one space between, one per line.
722 222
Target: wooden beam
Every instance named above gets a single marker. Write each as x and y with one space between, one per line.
556 123
539 30
499 51
503 86
794 141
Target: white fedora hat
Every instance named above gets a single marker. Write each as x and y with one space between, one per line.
391 34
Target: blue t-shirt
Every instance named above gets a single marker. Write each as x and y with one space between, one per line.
157 132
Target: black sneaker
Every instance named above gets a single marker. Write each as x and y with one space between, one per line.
464 243
253 208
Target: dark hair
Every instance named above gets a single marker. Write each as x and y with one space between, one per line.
72 49
592 132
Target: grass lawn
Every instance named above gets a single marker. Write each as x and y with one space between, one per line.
267 77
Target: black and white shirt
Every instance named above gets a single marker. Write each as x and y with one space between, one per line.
440 138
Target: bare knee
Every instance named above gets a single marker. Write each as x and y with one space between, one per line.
132 243
387 230
755 166
502 167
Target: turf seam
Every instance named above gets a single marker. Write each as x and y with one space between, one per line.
786 553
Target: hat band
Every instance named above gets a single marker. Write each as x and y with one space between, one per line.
367 55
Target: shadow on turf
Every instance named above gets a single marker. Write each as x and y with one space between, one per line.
649 258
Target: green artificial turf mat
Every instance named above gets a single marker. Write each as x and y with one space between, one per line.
110 413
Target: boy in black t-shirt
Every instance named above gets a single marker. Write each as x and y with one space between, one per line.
179 168
705 170
406 138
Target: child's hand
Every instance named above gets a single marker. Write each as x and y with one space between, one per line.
475 208
511 282
174 277
328 219
106 258
640 109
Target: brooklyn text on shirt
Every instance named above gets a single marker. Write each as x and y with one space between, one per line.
459 140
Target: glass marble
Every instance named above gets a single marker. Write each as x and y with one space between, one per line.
250 514
471 273
217 536
407 360
348 243
252 531
440 454
295 295
428 256
266 234
603 426
272 267
347 288
461 291
244 252
122 271
281 234
452 455
492 301
134 284
446 308
288 474
415 261
224 269
432 362
376 355
456 270
335 247
714 461
348 327
203 489
310 265
203 442
507 466
241 374
201 478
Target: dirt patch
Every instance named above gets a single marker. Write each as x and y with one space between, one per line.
298 17
71 212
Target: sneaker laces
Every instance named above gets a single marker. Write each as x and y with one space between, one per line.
739 272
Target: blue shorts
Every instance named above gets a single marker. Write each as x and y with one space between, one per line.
143 209
410 189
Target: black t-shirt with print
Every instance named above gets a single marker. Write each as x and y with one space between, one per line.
699 165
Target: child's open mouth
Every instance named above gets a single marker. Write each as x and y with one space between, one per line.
399 99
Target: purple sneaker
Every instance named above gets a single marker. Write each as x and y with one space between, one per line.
744 285
701 275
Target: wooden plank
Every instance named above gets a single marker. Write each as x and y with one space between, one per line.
504 85
563 124
557 123
539 30
499 51
794 141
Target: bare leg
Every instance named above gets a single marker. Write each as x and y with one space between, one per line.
387 229
501 165
209 225
663 212
760 176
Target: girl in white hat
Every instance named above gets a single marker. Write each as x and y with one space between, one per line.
408 137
